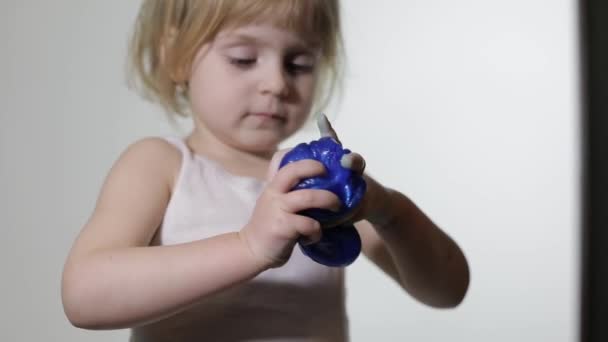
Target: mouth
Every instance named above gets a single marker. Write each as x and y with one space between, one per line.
270 116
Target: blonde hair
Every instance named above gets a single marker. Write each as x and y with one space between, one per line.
168 34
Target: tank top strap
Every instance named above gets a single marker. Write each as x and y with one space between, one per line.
180 144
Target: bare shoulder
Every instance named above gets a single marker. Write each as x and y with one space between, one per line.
153 144
150 157
152 151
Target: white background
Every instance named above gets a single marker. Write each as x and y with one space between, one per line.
469 107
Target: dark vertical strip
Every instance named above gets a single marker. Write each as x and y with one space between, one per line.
594 70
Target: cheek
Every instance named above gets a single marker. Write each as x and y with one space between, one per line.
212 91
306 89
308 85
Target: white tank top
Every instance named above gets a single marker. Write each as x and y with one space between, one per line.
300 301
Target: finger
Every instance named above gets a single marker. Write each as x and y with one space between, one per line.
309 240
353 161
299 200
273 167
309 229
326 129
291 174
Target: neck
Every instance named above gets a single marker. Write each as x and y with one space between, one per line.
238 161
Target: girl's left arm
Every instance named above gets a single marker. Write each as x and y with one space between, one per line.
400 239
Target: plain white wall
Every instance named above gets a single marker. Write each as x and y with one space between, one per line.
469 107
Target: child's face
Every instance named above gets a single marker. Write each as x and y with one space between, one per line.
253 86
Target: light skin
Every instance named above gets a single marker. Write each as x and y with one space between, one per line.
250 88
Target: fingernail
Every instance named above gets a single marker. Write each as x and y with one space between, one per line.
323 125
325 128
346 161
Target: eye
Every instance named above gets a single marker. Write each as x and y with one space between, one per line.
295 68
242 56
300 64
242 62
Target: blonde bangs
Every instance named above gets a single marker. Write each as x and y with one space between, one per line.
311 19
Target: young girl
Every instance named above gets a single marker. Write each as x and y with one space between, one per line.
193 239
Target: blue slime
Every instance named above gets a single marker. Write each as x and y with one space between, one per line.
340 245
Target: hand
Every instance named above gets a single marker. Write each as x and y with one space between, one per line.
373 199
275 226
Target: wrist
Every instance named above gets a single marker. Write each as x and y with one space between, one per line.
377 200
258 263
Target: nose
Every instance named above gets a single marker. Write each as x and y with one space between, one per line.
275 81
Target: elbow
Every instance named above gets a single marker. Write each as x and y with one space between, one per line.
456 283
457 290
73 310
449 293
452 301
80 313
443 301
78 299
448 299
75 305
77 318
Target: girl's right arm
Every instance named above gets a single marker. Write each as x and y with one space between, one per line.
113 279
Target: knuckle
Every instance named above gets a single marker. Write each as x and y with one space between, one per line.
318 166
315 227
309 165
310 225
307 197
329 196
331 200
280 222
